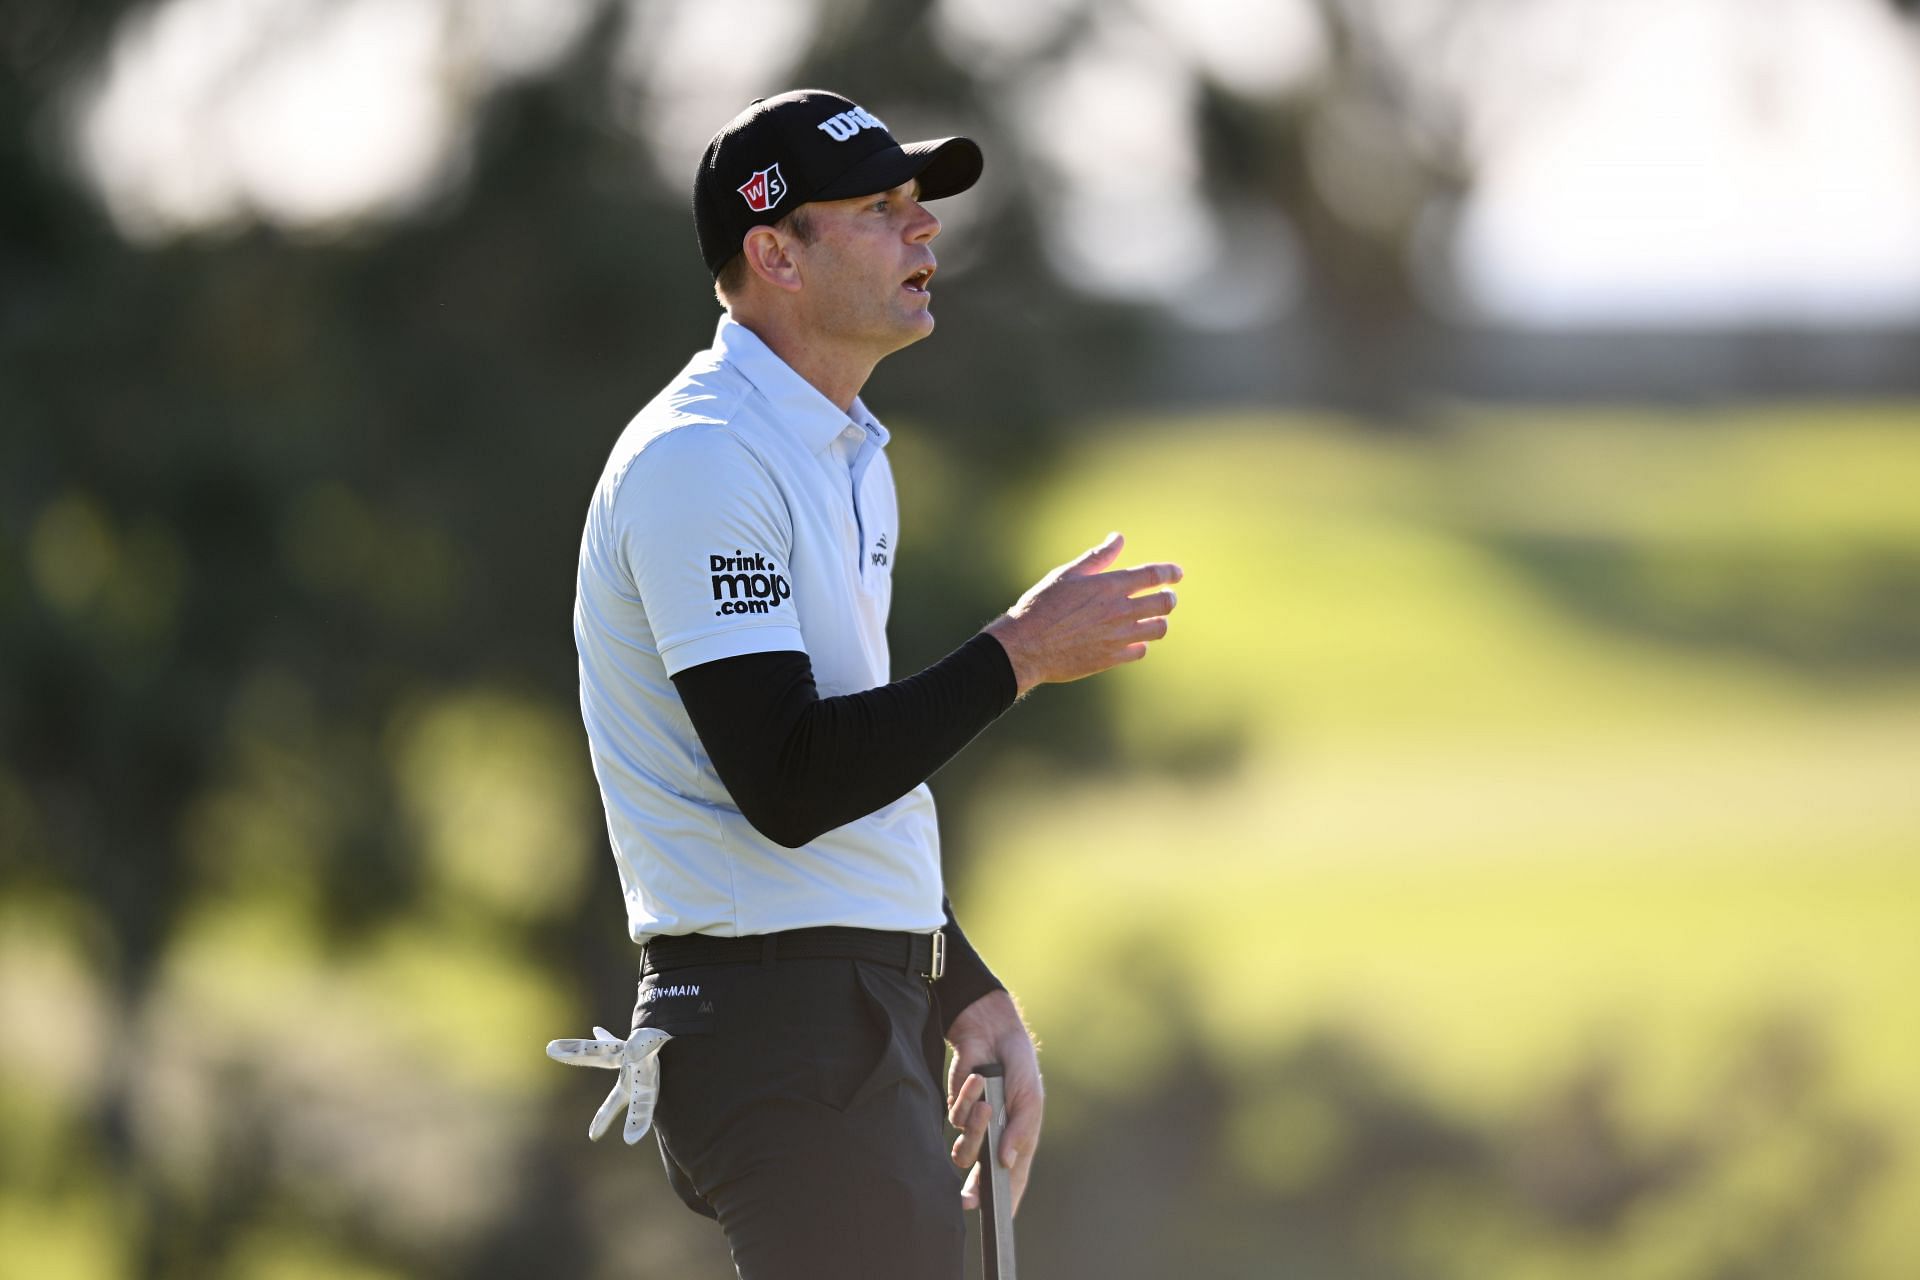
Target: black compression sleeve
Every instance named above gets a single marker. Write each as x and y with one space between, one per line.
968 977
799 765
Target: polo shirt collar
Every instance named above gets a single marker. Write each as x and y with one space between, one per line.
864 419
797 404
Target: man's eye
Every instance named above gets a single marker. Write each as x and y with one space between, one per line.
879 205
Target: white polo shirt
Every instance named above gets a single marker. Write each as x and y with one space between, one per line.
740 512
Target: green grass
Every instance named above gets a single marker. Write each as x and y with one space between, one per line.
1488 816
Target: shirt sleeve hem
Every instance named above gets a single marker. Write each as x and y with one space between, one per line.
730 644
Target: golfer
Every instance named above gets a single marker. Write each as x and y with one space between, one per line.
763 773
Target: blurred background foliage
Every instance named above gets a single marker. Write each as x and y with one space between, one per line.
1507 868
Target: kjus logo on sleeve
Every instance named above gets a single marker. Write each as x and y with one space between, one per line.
746 584
847 123
764 189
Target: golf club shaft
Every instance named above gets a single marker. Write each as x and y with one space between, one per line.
996 1197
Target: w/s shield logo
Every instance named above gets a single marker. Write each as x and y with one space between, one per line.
764 189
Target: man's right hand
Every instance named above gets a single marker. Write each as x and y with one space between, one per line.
1084 617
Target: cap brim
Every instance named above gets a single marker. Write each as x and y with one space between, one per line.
945 167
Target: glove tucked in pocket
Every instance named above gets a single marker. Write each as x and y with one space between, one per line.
637 1059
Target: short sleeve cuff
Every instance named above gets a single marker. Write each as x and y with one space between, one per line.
730 644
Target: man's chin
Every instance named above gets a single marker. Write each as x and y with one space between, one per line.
917 325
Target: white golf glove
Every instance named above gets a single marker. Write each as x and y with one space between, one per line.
636 1059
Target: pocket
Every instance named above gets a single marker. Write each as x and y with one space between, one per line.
823 1032
682 1003
894 1057
826 1035
686 1004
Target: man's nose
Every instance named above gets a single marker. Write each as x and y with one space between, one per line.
924 226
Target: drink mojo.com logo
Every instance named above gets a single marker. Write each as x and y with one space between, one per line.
746 584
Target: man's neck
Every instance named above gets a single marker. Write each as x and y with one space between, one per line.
831 371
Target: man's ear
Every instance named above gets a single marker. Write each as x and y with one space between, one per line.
768 256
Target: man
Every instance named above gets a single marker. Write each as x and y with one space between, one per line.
764 776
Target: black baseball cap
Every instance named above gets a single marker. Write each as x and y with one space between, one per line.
785 151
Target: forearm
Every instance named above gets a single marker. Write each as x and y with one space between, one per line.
799 765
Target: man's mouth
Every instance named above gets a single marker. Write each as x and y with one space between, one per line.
919 280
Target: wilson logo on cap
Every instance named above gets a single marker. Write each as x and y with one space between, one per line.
764 189
843 126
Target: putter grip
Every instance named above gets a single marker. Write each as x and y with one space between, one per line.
996 1199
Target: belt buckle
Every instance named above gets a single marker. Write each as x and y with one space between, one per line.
939 955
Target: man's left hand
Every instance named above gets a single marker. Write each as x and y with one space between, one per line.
992 1030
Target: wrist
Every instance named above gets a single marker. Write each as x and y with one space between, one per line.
988 1016
960 995
1005 629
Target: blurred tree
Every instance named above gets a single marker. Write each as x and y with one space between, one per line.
265 495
